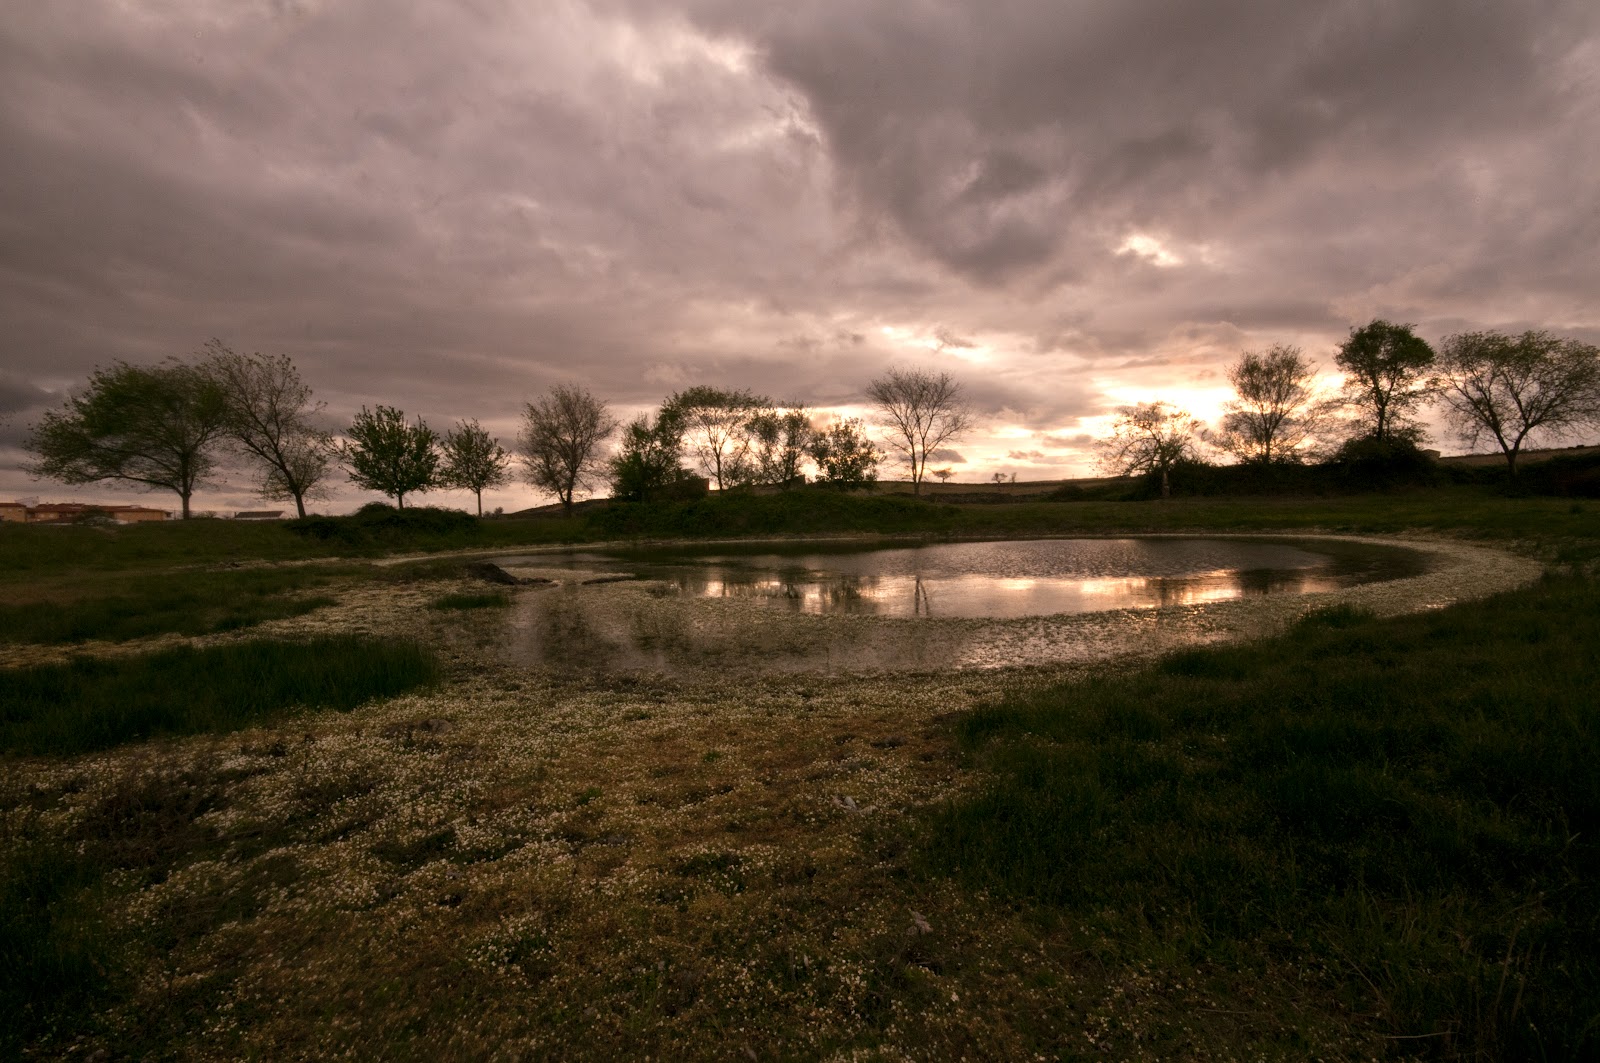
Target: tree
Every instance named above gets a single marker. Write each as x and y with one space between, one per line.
1151 439
385 454
560 441
944 474
1509 387
651 459
781 440
269 420
845 455
472 460
922 411
156 426
1385 367
716 426
1276 410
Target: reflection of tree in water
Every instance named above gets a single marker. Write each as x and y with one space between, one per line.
919 598
846 590
577 631
1254 582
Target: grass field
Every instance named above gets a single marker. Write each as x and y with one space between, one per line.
1363 838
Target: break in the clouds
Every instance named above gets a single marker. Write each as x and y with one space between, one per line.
449 207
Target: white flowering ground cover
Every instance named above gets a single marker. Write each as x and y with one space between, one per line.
581 863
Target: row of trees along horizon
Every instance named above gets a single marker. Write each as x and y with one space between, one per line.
171 426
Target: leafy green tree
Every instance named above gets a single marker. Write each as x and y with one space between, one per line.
1150 439
845 455
472 460
650 463
922 411
781 441
1510 387
383 453
560 441
1275 412
156 426
1386 379
270 421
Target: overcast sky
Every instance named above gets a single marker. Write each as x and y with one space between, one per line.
449 207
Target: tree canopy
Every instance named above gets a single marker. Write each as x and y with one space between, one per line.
560 441
156 426
384 453
922 410
1275 411
1386 379
716 429
650 463
1510 387
845 455
780 443
270 421
1150 438
473 460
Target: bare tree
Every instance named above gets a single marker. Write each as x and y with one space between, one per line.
473 460
383 453
717 431
923 411
1385 367
1509 388
1150 438
1276 411
156 426
560 441
270 422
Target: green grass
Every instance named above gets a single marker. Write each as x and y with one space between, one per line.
486 600
188 602
95 703
1407 809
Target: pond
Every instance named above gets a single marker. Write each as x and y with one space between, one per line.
851 606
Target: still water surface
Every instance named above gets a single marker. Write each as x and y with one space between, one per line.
990 579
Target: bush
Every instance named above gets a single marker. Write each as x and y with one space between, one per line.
377 523
1371 464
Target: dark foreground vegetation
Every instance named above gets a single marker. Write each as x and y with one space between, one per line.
1386 829
55 956
1409 809
95 703
189 603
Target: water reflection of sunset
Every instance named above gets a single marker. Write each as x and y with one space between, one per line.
1004 578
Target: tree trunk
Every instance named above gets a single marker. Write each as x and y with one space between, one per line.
400 501
300 505
185 496
480 502
1166 484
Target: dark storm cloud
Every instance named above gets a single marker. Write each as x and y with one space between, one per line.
995 134
449 207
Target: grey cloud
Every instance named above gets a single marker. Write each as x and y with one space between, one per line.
1058 442
450 208
946 454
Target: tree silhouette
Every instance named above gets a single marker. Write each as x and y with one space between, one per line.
383 453
156 426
